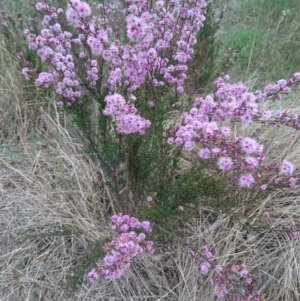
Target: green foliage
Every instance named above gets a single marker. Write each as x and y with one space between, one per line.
86 262
206 49
133 164
14 15
190 190
243 41
206 43
262 39
192 185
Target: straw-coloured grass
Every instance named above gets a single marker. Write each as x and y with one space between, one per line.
52 210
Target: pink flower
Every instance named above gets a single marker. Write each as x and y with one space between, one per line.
218 268
293 234
252 162
234 268
179 89
149 199
225 131
204 268
180 208
249 145
215 151
208 255
146 226
266 214
123 247
292 183
204 153
244 273
83 9
205 249
71 15
266 115
264 187
141 237
109 260
287 168
39 6
25 73
117 274
219 294
124 228
170 140
225 163
246 181
93 275
246 118
135 223
151 104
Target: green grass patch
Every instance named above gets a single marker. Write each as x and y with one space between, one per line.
262 39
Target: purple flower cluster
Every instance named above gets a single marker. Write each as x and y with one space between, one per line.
156 36
157 42
243 156
233 283
123 248
293 234
124 113
53 46
78 10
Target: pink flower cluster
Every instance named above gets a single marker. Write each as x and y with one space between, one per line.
78 10
243 156
123 248
156 35
157 42
293 234
127 121
233 283
54 46
180 208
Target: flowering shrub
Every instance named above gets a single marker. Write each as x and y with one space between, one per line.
232 282
123 248
102 55
151 52
242 156
158 45
119 68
